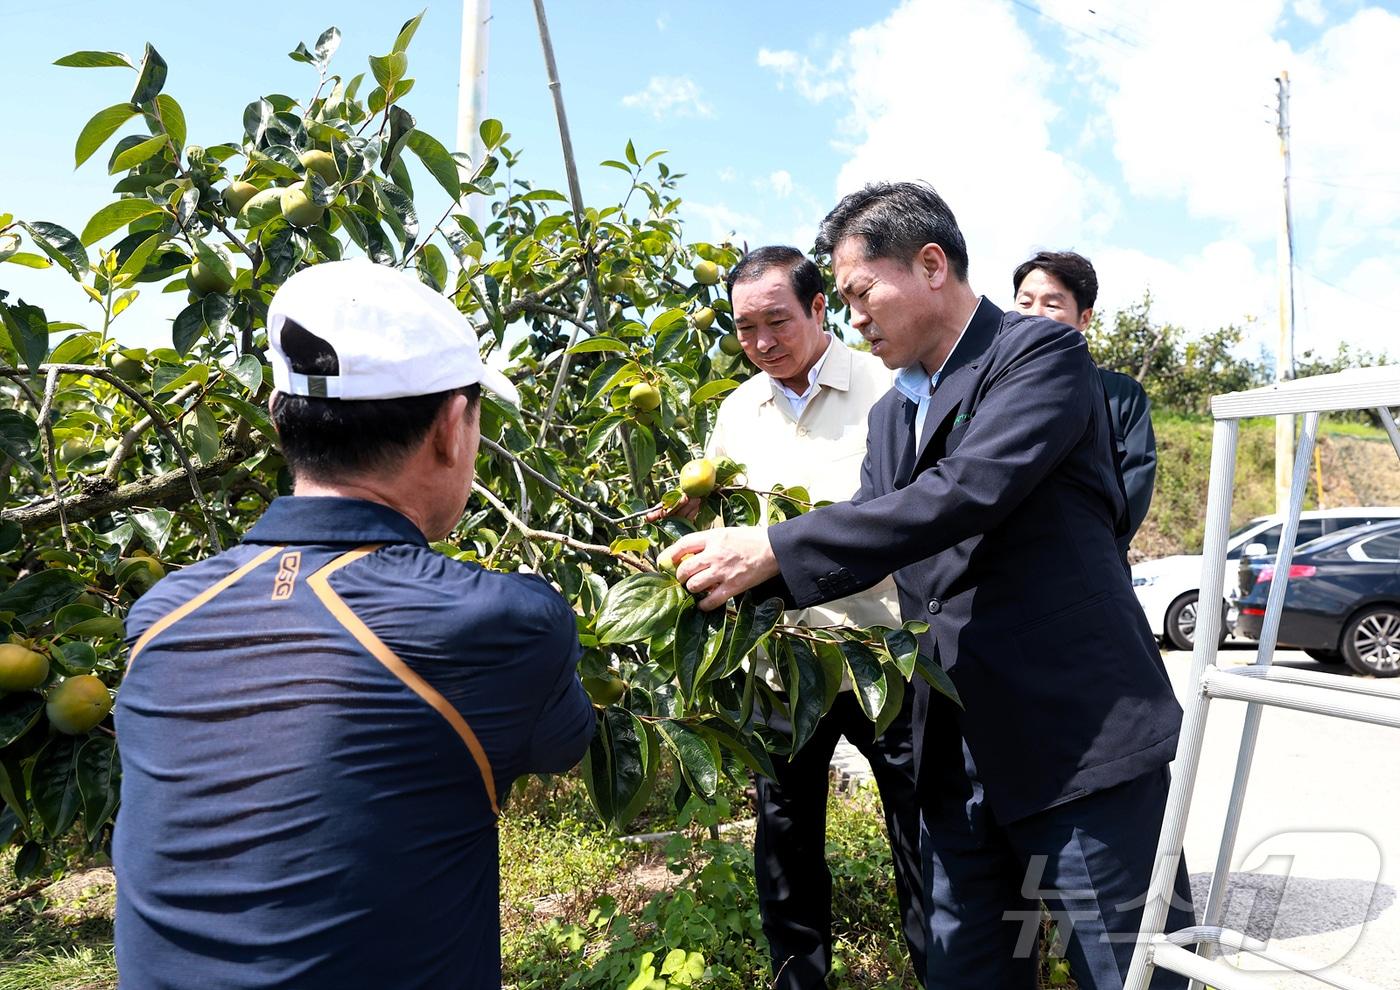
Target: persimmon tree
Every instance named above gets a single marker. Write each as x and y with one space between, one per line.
119 463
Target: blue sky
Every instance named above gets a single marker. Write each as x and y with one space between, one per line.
1139 133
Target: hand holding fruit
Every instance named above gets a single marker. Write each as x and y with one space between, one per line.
717 564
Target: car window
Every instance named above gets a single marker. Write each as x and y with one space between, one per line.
1385 547
1308 530
1337 523
1269 538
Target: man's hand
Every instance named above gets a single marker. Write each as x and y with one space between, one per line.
722 563
686 508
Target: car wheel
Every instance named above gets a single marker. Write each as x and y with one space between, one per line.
1180 623
1326 656
1371 641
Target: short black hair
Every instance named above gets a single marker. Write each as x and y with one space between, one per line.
895 220
329 439
803 273
1073 271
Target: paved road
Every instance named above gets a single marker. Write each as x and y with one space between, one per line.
1317 860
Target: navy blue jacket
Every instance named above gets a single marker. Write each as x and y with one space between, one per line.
1130 417
1000 532
317 728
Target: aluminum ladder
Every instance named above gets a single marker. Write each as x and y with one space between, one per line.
1257 685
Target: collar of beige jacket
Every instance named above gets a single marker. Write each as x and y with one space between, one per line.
835 371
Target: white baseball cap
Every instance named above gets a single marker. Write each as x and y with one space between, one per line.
392 335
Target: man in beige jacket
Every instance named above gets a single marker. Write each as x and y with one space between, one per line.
801 422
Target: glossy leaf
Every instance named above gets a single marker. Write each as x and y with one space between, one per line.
41 593
98 774
60 245
99 128
172 116
699 757
85 620
615 767
903 650
938 679
53 786
18 713
752 625
699 637
150 79
95 60
137 154
867 677
115 216
639 607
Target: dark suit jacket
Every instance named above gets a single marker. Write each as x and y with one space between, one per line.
1000 533
1130 416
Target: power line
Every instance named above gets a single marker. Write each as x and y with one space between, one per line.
1098 39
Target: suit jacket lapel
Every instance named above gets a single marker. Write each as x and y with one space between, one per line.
904 466
957 372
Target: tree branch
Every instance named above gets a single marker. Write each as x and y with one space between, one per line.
101 497
525 530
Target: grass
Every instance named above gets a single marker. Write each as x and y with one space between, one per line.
61 940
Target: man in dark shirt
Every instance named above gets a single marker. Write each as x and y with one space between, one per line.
1062 285
318 726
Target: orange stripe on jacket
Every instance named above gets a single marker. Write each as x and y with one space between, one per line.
203 598
320 584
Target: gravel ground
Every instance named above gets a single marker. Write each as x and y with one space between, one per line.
1317 860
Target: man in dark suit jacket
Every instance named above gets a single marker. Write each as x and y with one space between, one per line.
989 491
1063 286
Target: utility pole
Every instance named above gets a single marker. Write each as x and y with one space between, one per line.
1283 370
471 87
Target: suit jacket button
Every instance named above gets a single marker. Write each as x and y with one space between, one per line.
934 606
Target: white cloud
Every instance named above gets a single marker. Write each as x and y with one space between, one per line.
1311 11
669 96
781 183
717 223
1096 128
727 174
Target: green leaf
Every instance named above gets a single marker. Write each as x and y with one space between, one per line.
867 677
77 656
593 344
115 216
29 333
713 389
19 435
437 160
699 636
28 259
18 713
60 245
327 44
99 128
491 132
154 528
699 757
173 117
643 444
636 544
137 154
85 620
804 680
150 79
95 60
666 320
53 787
135 262
751 627
254 414
248 371
40 594
208 315
98 772
432 267
744 747
29 861
388 69
894 701
938 679
615 768
409 29
903 649
213 260
639 607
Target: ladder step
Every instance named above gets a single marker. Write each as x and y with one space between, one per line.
1369 686
1169 952
1303 697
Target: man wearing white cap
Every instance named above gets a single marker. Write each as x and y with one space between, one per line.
318 726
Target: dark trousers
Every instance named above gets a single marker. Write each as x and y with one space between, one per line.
1089 859
794 885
